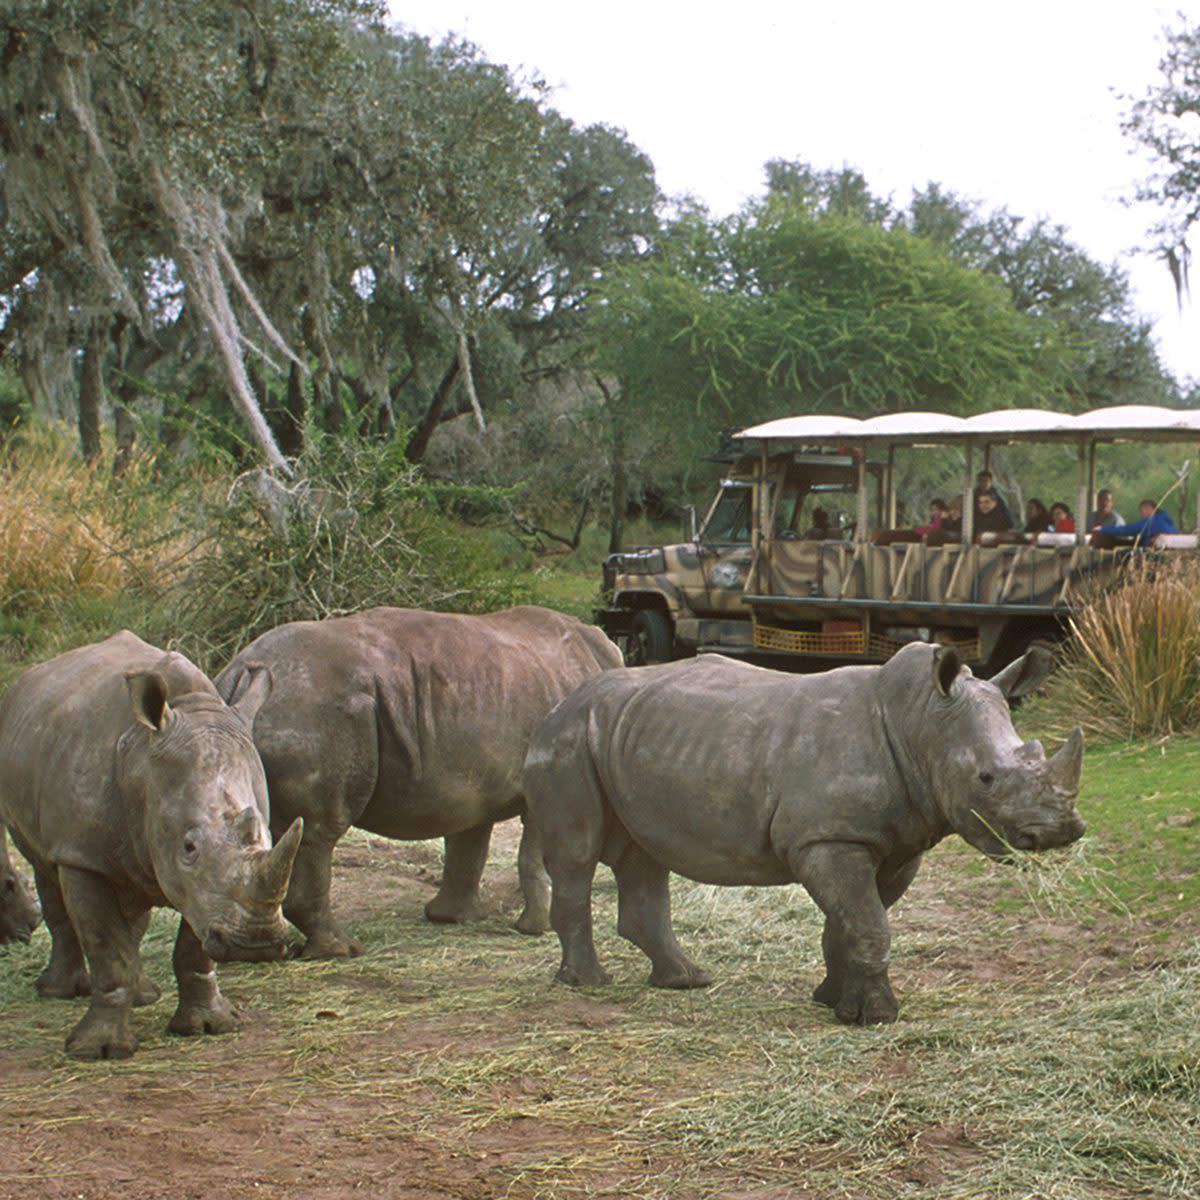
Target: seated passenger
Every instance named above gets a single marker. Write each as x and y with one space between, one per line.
984 483
1061 515
821 530
1104 514
1149 525
989 518
950 530
1037 518
887 537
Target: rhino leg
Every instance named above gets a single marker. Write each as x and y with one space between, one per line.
841 878
457 900
571 919
147 991
202 1008
110 944
644 918
891 884
307 902
535 883
66 975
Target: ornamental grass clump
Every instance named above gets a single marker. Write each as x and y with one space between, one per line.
1131 668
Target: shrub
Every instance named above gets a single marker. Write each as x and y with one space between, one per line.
1131 668
360 530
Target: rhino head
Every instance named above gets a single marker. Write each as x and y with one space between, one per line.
998 792
19 911
192 769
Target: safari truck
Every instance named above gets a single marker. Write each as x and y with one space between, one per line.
752 582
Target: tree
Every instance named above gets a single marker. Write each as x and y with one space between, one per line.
1162 122
784 310
140 130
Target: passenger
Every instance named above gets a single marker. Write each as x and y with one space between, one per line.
820 529
1061 515
937 514
1037 518
1149 525
950 530
888 537
984 483
1104 514
989 517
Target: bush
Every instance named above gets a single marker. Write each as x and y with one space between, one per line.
1131 668
361 530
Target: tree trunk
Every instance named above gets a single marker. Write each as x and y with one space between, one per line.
419 442
91 389
292 418
126 436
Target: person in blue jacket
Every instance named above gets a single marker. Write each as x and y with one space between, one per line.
1152 522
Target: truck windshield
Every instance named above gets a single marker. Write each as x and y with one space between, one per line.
729 518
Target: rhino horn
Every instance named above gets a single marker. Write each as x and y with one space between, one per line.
276 868
1064 768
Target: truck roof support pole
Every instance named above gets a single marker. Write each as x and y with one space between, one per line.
1087 478
968 497
861 532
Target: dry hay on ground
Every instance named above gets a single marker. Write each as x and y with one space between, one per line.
1041 1050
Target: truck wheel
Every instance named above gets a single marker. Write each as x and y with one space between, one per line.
651 640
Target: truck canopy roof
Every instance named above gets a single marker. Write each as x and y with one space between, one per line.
1127 422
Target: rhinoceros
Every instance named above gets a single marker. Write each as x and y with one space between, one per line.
732 774
127 783
411 725
19 912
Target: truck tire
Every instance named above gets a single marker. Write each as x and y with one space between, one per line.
651 639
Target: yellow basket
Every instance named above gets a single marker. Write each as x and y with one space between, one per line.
846 643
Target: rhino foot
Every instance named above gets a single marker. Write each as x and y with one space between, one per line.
533 923
97 1038
593 976
63 985
329 945
827 993
869 1002
680 975
217 1017
453 912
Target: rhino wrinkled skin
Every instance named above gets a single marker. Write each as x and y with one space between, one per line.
127 783
731 774
19 912
411 725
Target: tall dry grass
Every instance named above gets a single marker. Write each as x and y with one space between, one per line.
1132 666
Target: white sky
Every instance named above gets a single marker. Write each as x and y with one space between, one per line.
1012 105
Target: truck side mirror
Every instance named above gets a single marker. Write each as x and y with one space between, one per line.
690 531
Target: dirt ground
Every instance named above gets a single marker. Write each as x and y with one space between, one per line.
358 1079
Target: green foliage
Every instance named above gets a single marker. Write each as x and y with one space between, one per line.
362 530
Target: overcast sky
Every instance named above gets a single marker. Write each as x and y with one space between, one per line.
1016 105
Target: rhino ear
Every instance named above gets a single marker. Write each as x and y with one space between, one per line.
946 666
252 688
148 694
1027 674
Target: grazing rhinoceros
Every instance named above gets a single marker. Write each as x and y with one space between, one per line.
127 782
410 724
731 774
19 913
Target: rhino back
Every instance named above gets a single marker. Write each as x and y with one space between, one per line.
412 724
59 726
719 769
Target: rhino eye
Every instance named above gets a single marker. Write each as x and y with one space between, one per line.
986 778
190 851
